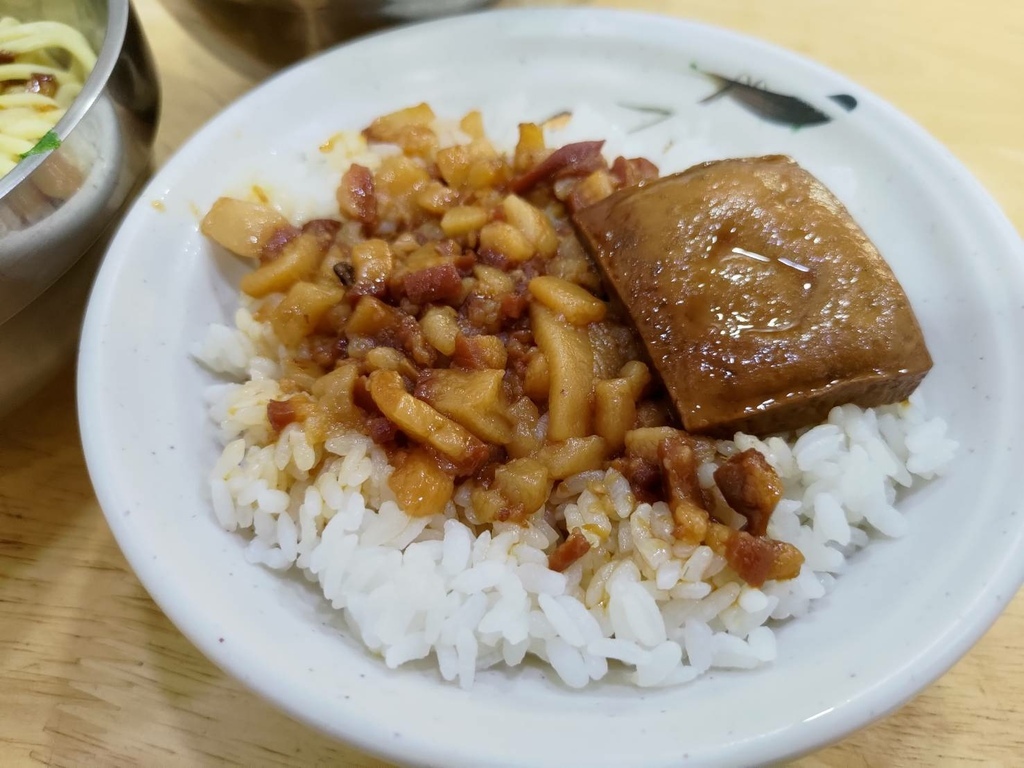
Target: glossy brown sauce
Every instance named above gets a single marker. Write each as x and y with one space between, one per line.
760 301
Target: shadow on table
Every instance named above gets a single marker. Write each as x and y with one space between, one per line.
281 32
47 512
44 486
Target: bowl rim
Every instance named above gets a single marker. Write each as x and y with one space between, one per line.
829 726
106 58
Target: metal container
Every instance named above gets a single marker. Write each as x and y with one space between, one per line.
57 208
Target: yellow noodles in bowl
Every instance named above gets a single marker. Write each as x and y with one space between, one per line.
43 67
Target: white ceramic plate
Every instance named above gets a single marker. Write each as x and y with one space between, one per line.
901 615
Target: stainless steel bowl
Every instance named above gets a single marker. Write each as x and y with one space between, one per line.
57 208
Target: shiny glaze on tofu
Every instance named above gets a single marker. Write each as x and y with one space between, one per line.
760 301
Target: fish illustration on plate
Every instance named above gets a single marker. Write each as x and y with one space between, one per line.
774 107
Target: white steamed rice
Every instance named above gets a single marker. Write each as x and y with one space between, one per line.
659 612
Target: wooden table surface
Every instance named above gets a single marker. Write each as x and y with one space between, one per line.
92 673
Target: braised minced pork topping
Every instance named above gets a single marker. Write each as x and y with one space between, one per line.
450 314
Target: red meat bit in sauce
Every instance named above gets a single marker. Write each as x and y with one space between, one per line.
477 455
490 258
277 241
410 337
324 230
280 413
513 306
380 430
573 159
323 350
750 485
644 477
465 261
686 498
750 557
633 172
472 353
441 282
679 467
569 551
755 559
357 197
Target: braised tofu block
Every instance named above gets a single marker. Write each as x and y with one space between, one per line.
760 301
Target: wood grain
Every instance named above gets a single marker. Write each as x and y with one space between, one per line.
92 673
